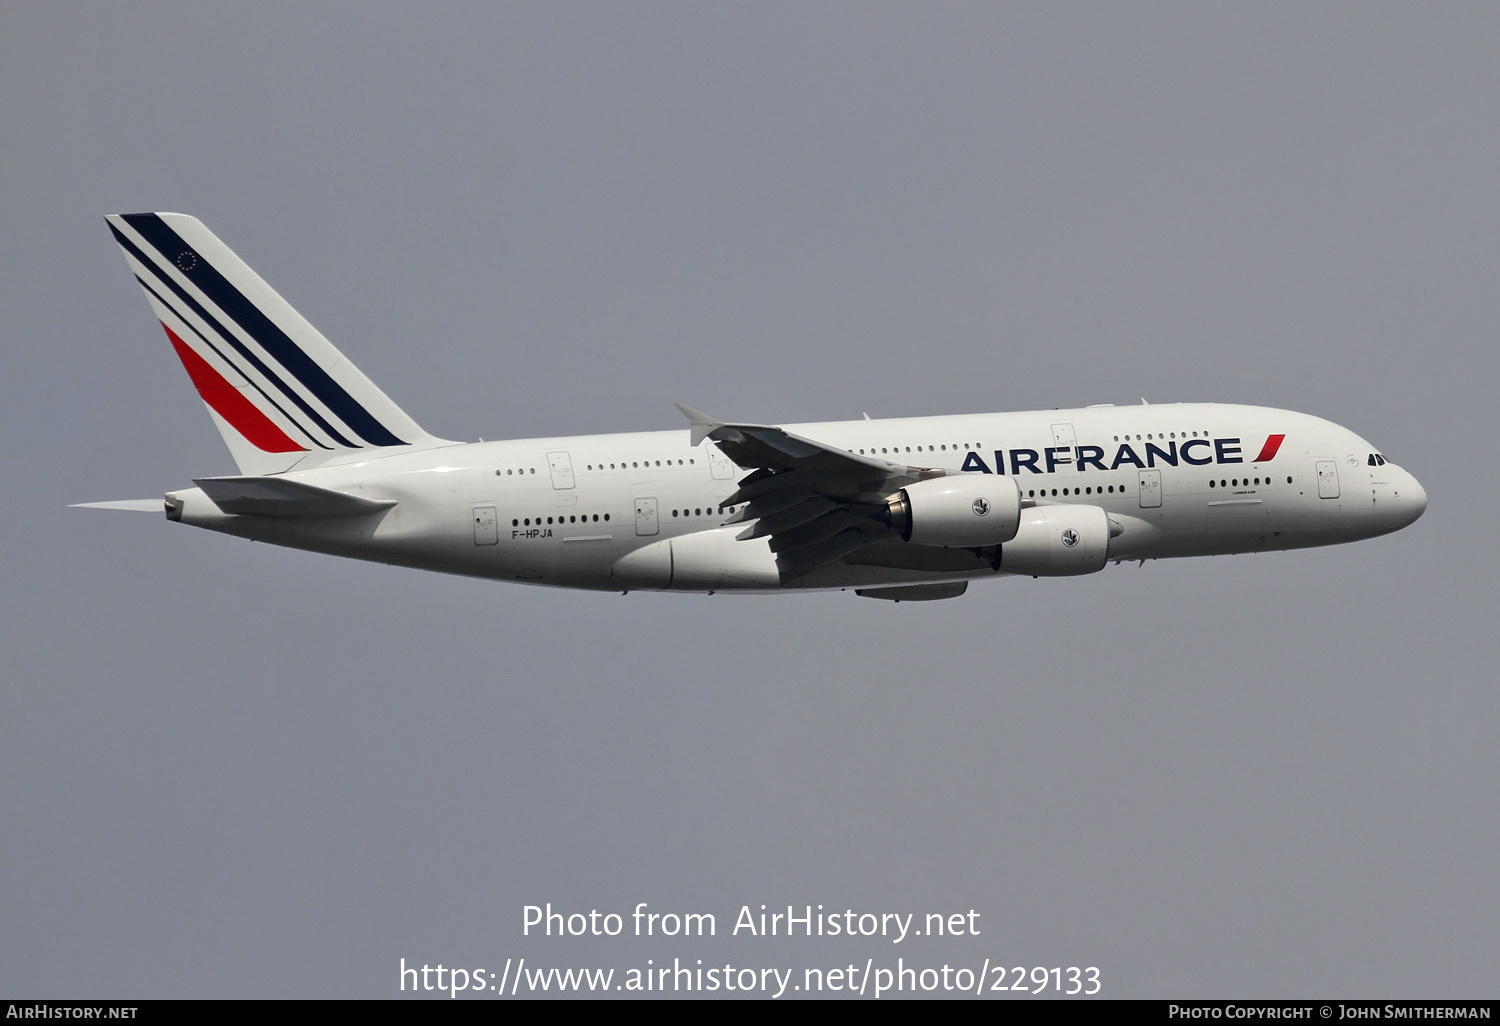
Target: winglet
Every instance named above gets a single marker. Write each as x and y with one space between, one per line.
702 424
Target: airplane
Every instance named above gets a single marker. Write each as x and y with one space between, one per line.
904 509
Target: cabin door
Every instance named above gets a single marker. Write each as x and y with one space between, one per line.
646 524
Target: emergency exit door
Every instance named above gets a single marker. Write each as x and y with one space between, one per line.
1328 479
1150 485
646 523
486 526
560 466
1060 456
722 467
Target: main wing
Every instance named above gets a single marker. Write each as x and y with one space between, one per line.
817 503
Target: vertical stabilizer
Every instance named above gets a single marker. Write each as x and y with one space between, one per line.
278 391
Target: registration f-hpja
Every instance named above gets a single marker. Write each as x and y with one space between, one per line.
896 509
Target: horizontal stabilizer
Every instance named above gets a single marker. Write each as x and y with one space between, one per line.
279 497
134 505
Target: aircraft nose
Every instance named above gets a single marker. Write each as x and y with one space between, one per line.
1412 498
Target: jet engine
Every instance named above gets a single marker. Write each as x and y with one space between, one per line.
962 510
1059 541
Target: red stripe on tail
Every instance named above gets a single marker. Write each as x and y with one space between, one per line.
230 403
1268 451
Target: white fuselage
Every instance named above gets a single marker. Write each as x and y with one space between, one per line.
624 511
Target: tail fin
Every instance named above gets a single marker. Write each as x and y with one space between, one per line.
279 392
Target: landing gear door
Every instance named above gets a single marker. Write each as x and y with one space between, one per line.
646 523
560 464
1150 485
1328 479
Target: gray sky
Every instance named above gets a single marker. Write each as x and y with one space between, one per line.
232 770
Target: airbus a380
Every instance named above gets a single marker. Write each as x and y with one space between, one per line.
904 509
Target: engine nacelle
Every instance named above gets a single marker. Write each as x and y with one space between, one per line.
1059 541
958 511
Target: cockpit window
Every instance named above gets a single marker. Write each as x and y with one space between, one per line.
1379 459
1371 460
